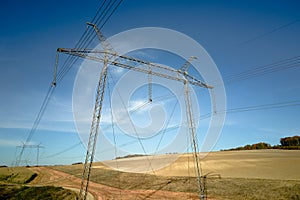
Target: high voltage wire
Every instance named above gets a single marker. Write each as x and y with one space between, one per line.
114 136
111 13
36 123
80 44
228 111
251 72
132 124
133 110
206 116
71 59
284 64
257 71
63 151
83 41
269 32
107 11
265 69
255 108
87 40
264 107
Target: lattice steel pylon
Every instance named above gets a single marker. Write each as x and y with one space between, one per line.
109 57
37 147
94 131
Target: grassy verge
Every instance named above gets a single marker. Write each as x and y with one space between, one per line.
11 188
224 188
10 192
18 175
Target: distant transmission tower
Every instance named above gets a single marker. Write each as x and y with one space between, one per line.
110 57
37 147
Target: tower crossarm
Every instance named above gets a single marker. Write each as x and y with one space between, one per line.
135 64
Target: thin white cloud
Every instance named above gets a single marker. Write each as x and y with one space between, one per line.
117 71
230 122
13 143
50 126
10 143
143 54
139 106
60 104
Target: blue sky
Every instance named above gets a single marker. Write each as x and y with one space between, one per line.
238 35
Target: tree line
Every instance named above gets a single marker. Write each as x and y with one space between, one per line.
285 143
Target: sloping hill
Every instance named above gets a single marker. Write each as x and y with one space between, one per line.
254 174
259 164
15 184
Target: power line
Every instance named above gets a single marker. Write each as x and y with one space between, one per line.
277 105
107 11
208 115
114 137
132 124
82 41
284 64
61 74
133 110
255 108
264 106
36 122
228 111
33 146
63 151
258 71
269 32
111 14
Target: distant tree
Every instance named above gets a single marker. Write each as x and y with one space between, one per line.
285 143
290 141
261 145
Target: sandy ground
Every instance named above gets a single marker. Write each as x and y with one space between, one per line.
262 164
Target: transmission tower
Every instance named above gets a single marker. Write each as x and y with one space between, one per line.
37 147
109 57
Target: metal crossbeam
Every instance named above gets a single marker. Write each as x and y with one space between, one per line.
137 65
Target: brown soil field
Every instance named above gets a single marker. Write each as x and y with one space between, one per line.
258 164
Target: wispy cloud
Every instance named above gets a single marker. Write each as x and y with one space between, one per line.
60 104
117 70
230 122
139 106
56 126
13 143
142 54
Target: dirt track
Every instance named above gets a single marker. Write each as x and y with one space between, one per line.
47 176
